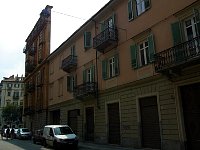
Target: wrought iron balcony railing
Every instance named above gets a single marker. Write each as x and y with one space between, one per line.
29 66
181 56
107 38
85 90
69 63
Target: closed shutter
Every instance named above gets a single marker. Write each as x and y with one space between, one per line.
151 48
134 50
104 69
68 83
84 76
176 33
87 39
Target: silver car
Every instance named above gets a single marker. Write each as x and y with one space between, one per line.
23 133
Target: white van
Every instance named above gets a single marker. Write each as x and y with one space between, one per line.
59 136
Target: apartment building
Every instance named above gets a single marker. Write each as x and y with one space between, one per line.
11 93
128 76
37 49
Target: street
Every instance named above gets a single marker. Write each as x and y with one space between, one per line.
17 144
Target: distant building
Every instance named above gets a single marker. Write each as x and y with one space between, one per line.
11 92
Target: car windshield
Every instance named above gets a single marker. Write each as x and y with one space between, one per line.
25 130
62 131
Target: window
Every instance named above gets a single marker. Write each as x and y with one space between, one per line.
110 67
137 7
71 83
143 52
73 50
9 93
109 23
87 40
88 74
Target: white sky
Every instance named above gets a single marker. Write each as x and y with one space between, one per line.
18 17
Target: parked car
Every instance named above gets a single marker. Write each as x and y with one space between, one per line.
23 133
38 136
59 136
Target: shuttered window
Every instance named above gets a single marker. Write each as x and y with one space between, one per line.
89 74
110 67
71 83
87 40
142 53
176 33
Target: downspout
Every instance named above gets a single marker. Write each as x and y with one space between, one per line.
97 79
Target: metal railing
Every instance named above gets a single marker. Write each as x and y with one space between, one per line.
178 55
85 89
106 35
69 63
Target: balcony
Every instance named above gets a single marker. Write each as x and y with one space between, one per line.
30 66
69 63
106 40
29 110
178 57
85 90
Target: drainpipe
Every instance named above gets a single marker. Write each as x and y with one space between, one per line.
97 86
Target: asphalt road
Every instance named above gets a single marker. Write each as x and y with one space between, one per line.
17 144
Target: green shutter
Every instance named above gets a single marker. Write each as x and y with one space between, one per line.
134 49
197 18
113 19
116 64
87 39
176 33
151 48
102 26
93 73
104 69
130 10
84 76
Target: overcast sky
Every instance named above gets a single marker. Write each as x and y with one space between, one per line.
18 17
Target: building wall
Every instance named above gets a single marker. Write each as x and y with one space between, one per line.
131 84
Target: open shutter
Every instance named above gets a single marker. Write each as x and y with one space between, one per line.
130 10
113 20
104 69
68 83
84 76
176 33
87 39
151 48
134 49
197 18
116 64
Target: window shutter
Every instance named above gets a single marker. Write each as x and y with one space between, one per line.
134 49
130 10
116 65
87 39
104 69
102 26
84 76
197 18
176 33
113 19
93 73
151 48
68 83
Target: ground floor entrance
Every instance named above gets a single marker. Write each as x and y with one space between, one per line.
150 130
190 95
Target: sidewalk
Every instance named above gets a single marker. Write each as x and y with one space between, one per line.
93 146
